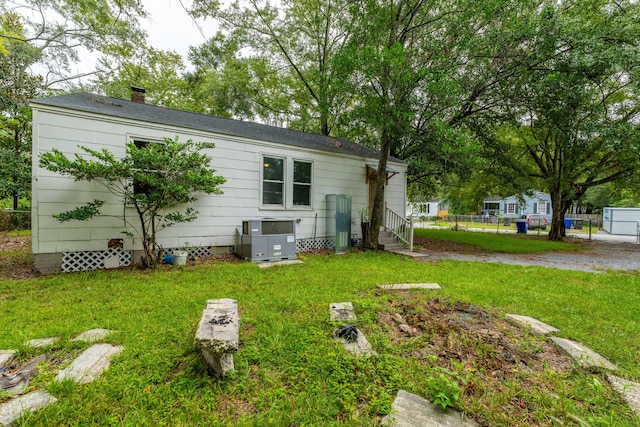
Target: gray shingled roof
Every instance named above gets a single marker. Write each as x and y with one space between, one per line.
153 114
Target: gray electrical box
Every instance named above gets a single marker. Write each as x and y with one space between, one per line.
339 220
266 239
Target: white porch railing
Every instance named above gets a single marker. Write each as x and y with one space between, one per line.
399 226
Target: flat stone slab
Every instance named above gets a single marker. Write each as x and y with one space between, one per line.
41 342
410 410
217 335
22 405
341 312
92 335
90 364
536 326
5 356
629 390
268 264
405 286
584 356
360 347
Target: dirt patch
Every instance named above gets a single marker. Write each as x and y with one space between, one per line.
16 259
489 352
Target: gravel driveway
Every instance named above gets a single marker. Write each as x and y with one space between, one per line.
597 257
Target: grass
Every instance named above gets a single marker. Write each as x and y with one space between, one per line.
288 369
516 244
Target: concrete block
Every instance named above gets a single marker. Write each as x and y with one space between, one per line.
629 390
92 335
90 364
584 356
341 312
406 286
360 347
410 410
217 335
536 326
22 405
6 356
41 342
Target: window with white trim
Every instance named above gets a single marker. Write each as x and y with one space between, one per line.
511 208
541 208
301 183
286 182
273 181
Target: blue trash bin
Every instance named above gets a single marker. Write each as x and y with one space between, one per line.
522 226
567 223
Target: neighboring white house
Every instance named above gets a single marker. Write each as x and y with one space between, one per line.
518 205
431 208
243 151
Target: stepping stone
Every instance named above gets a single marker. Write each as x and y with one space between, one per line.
5 356
90 364
341 311
630 391
409 410
585 357
17 381
92 335
360 347
405 286
41 342
22 405
536 326
218 332
268 264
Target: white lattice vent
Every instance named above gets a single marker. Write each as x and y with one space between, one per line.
308 245
194 253
93 260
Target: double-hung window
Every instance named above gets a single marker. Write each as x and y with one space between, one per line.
286 182
511 208
273 181
301 183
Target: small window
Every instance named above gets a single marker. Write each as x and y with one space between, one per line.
138 186
301 183
272 181
511 208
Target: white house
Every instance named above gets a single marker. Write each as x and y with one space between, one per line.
434 207
243 152
515 206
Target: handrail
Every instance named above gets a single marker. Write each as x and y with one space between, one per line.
399 226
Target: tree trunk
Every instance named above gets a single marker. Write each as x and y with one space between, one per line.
559 207
377 212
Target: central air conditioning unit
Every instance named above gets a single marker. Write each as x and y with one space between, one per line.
266 239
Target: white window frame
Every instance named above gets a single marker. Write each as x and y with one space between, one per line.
288 183
541 207
511 208
294 183
263 162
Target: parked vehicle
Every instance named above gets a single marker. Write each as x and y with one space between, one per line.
537 221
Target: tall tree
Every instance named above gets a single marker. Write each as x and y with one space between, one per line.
574 107
16 88
59 29
288 51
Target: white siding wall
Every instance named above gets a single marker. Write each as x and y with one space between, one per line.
239 160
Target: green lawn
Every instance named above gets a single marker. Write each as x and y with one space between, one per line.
289 371
507 243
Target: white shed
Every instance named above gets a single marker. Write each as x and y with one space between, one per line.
625 221
241 153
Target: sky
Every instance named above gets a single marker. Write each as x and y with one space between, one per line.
170 28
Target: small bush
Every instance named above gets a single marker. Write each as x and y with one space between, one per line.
14 220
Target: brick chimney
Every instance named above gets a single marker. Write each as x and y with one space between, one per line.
137 94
